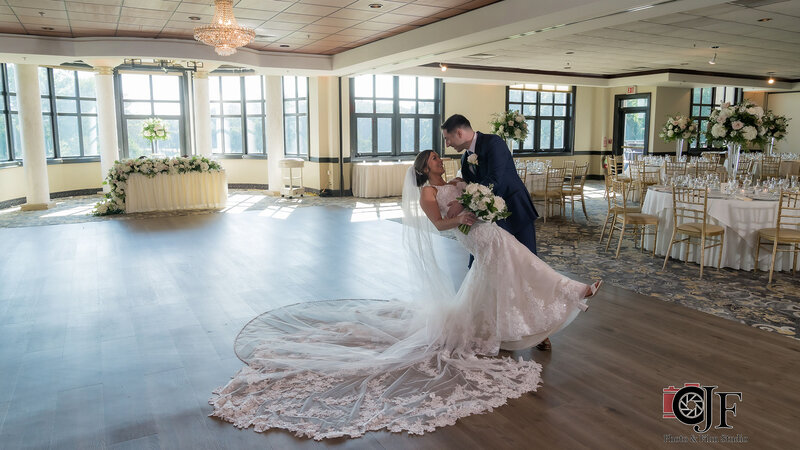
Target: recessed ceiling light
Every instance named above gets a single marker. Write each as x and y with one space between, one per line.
48 28
375 5
765 19
284 45
194 18
569 53
715 46
771 79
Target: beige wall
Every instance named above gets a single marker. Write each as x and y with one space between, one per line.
475 102
671 101
61 177
787 104
12 183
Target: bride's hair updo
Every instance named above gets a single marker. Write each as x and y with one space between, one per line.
420 164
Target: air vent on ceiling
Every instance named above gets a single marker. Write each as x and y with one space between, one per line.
265 37
755 3
481 56
640 68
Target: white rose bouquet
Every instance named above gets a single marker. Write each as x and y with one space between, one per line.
510 125
480 200
774 126
154 129
736 124
678 127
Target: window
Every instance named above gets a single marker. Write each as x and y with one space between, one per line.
75 112
69 118
145 95
5 120
237 110
704 100
549 111
394 115
295 116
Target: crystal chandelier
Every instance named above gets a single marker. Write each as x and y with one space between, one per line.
224 34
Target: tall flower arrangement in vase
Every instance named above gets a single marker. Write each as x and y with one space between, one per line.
510 126
154 129
740 124
775 128
678 128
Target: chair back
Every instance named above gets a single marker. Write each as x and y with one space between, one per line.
788 211
704 167
450 168
618 196
615 164
554 180
745 168
689 205
770 166
673 169
714 157
579 178
522 172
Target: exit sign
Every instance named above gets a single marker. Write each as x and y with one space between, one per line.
631 90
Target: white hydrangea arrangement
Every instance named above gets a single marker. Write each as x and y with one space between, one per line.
154 129
114 201
510 125
775 126
678 127
480 200
736 124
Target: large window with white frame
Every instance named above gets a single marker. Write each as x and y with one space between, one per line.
549 111
703 101
394 116
146 95
69 113
295 116
238 114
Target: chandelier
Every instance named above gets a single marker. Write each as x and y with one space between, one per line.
224 34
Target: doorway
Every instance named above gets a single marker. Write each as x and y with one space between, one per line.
631 125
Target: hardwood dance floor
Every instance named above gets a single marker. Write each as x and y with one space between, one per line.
113 335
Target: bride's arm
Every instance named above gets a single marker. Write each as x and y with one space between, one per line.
431 208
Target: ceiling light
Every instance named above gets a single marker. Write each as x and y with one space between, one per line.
375 5
48 28
715 46
713 60
771 79
194 17
284 46
224 34
765 19
569 53
443 67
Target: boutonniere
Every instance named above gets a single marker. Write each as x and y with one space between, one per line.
473 159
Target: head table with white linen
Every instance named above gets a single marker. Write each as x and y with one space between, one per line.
169 192
741 218
379 179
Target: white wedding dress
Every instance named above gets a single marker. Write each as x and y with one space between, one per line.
344 367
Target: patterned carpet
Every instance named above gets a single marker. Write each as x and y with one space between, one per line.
567 246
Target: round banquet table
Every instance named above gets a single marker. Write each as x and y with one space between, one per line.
379 179
741 219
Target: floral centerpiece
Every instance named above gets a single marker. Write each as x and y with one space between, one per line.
117 179
678 127
154 129
510 125
775 127
736 124
480 200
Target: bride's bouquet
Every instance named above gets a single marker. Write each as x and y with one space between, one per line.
480 200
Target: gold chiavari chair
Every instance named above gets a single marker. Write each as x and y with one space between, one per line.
713 157
770 167
674 169
744 169
552 193
702 168
569 168
574 189
625 218
786 232
613 210
690 218
522 171
643 178
450 168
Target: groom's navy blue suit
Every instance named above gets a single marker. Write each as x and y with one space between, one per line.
496 167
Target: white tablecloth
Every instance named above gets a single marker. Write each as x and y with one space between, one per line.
741 220
383 179
164 192
787 168
536 181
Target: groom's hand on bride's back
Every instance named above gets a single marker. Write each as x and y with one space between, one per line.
454 209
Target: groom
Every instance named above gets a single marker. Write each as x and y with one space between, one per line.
492 164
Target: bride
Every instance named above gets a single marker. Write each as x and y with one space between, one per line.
344 367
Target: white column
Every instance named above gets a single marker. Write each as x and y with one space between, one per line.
202 114
34 159
106 120
275 153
